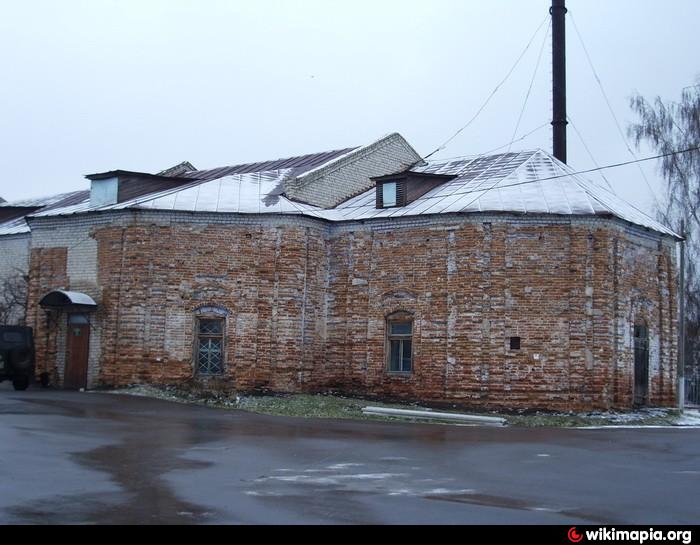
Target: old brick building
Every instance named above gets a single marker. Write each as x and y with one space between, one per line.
499 281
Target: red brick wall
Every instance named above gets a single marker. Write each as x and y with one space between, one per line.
269 279
471 288
646 283
307 308
47 272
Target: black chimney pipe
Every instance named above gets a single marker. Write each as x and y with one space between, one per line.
559 122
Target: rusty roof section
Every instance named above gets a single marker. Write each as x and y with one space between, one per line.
298 165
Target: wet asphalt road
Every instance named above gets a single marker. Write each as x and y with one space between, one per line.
91 458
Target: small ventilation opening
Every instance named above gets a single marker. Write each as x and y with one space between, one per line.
515 343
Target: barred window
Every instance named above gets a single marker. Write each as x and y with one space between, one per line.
210 346
400 343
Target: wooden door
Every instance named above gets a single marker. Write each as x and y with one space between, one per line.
77 349
641 365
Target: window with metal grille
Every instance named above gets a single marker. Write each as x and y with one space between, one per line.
210 346
400 343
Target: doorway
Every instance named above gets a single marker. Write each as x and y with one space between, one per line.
77 350
641 365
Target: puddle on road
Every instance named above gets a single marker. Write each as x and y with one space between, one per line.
136 465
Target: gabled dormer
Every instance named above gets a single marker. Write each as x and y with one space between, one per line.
402 188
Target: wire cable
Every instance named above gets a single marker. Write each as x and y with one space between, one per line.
610 108
493 93
559 176
580 137
477 156
496 185
532 82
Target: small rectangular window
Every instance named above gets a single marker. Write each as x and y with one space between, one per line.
515 343
400 346
210 347
389 194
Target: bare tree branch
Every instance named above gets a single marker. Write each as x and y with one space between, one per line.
13 299
667 127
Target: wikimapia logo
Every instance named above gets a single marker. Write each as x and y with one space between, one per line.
636 536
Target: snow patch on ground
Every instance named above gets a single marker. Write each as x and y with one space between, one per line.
332 406
690 417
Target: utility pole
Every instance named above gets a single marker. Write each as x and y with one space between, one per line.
681 326
559 122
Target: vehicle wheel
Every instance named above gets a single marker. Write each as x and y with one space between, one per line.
20 383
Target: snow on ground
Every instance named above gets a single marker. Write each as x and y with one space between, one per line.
690 417
326 406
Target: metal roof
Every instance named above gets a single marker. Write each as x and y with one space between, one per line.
41 201
527 182
19 226
299 164
16 226
64 299
251 193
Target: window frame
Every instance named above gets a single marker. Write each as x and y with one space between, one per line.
390 204
390 338
199 336
401 188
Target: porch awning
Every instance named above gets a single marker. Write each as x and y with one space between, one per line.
71 301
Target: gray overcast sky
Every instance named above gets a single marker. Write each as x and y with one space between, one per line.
89 86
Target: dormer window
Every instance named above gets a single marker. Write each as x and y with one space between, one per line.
403 188
391 193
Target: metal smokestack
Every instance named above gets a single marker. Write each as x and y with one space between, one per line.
559 122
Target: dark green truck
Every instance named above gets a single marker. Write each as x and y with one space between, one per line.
17 355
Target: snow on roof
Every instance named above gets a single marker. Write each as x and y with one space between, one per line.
39 201
16 226
527 182
251 193
19 226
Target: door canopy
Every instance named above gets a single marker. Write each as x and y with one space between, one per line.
69 301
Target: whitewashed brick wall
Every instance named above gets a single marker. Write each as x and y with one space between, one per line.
350 175
14 258
14 250
75 234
